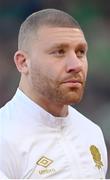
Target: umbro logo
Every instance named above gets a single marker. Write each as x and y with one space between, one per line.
44 162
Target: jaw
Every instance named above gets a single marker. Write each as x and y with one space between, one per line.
54 100
69 96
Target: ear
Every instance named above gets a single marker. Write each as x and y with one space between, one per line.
21 61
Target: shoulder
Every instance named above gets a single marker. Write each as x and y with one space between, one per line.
8 116
82 121
89 133
86 127
5 113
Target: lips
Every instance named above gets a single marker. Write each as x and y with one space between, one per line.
73 81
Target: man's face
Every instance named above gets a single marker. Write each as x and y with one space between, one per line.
58 65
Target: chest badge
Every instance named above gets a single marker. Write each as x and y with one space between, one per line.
44 161
96 156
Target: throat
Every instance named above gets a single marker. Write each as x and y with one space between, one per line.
55 109
58 111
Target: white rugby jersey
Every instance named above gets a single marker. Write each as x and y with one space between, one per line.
34 144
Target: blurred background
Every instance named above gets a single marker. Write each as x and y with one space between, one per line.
94 18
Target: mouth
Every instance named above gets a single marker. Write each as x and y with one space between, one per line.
73 83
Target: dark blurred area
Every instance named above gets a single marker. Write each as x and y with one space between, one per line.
94 18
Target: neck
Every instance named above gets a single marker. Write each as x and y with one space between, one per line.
56 109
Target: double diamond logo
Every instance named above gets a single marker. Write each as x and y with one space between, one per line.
44 161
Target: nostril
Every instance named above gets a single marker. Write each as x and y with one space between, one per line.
74 66
74 70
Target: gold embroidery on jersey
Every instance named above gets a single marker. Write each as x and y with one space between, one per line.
46 171
96 156
44 161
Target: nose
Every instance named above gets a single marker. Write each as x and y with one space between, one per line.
73 63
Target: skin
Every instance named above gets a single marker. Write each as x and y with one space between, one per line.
54 68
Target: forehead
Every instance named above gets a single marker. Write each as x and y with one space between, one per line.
52 35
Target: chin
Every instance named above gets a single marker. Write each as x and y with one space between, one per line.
73 99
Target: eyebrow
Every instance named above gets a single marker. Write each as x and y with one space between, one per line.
83 45
59 45
66 45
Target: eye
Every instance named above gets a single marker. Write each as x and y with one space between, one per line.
59 52
80 53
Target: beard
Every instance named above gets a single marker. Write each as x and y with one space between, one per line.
54 91
70 96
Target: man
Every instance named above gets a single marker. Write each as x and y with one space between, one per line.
41 135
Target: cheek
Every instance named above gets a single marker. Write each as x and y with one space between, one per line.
35 70
41 71
85 69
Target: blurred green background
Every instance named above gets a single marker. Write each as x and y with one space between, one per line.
94 18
